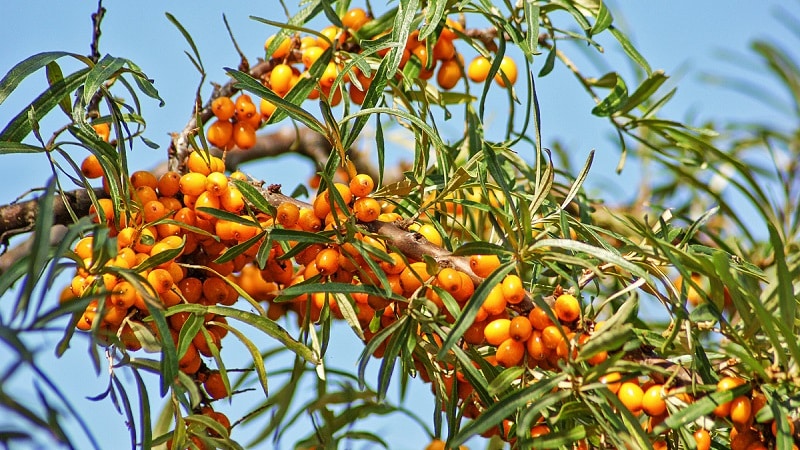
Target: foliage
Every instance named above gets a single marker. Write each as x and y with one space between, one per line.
681 301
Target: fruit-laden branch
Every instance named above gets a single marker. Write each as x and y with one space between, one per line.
20 218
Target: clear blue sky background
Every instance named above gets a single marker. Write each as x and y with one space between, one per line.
683 37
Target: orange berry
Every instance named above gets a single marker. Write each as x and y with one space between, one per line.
431 234
219 133
283 49
509 68
361 185
153 210
327 261
520 328
244 135
483 265
232 200
495 303
512 288
103 130
206 200
169 184
702 439
331 34
497 331
367 209
355 18
611 380
567 308
478 69
215 386
160 280
280 79
288 214
330 74
653 402
192 183
123 295
449 280
215 290
539 319
510 352
216 183
91 168
631 395
412 277
267 108
142 178
223 108
725 384
535 346
449 74
741 409
245 108
444 50
311 55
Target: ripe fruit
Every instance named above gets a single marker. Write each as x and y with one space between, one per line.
478 69
740 411
509 68
567 308
223 108
355 18
512 289
244 135
630 394
367 209
215 386
510 352
611 380
497 331
283 48
702 439
449 74
220 133
725 384
361 185
91 168
653 402
483 265
520 328
280 79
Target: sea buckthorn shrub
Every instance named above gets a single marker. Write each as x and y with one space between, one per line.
481 268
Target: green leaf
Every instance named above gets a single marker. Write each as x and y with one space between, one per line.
643 92
261 323
54 75
20 126
30 65
255 353
401 28
188 38
104 70
630 50
603 20
507 406
7 148
615 99
531 10
254 196
40 248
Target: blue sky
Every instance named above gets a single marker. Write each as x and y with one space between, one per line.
682 37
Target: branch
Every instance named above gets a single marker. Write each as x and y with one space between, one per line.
20 218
